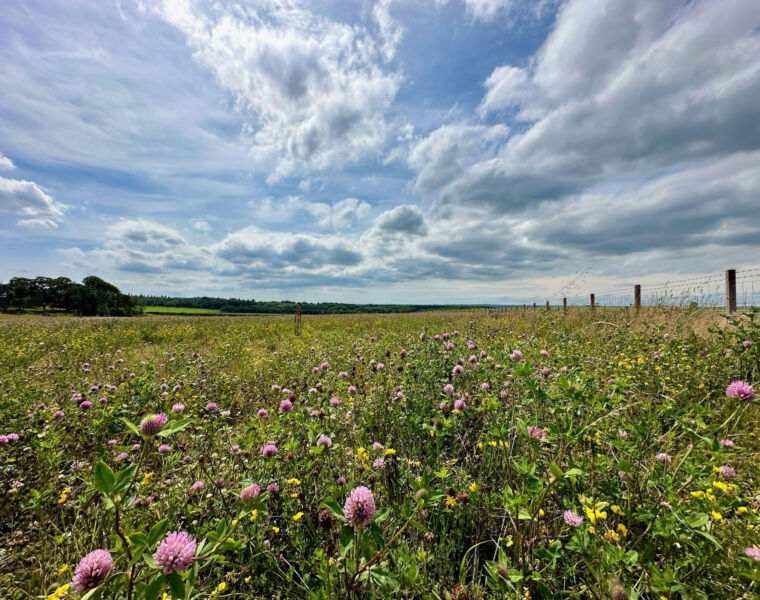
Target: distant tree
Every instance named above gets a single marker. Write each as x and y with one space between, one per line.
5 296
93 296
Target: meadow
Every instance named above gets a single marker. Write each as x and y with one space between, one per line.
452 455
176 310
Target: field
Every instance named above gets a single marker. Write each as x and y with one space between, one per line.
176 310
518 454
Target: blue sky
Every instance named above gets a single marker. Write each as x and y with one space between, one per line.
378 150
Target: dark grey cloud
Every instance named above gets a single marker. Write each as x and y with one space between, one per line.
715 203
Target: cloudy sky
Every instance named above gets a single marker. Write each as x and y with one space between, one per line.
379 150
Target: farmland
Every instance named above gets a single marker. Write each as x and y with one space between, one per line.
518 454
178 310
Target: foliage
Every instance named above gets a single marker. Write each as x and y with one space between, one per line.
92 297
621 420
236 305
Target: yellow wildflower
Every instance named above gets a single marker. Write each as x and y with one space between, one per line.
623 530
64 495
294 481
59 593
63 569
276 529
741 510
389 451
611 536
254 514
717 516
617 510
698 494
450 501
595 514
297 516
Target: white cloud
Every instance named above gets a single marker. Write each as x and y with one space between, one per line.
315 87
390 31
201 225
143 235
616 91
27 199
340 215
507 86
634 86
487 9
447 151
6 164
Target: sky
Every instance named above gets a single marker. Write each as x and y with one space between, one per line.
405 151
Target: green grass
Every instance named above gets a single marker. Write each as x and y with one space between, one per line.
180 310
614 415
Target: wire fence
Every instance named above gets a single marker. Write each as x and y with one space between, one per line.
733 289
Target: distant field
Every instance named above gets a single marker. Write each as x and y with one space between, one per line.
179 310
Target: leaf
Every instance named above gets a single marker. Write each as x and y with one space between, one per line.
131 426
104 478
157 531
176 585
334 509
138 538
153 589
123 478
556 471
92 594
377 534
346 540
383 577
573 473
697 520
382 514
709 537
173 428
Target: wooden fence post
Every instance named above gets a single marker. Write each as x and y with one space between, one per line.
564 305
547 306
593 302
297 320
637 296
534 306
730 292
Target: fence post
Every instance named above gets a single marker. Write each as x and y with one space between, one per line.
637 296
730 292
297 320
593 302
564 305
547 306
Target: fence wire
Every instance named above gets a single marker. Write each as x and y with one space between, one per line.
707 290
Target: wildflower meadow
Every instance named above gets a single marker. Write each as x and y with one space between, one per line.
449 455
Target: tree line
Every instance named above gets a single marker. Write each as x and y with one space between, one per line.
237 305
93 296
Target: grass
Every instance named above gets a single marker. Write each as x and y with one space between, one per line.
619 421
178 310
